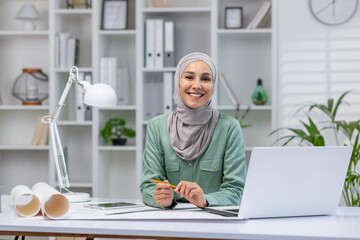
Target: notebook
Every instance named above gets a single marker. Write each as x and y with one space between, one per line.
291 181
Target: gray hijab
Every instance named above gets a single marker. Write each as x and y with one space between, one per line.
191 130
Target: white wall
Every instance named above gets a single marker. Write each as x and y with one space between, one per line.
316 61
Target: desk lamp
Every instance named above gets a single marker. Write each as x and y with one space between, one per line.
28 13
98 95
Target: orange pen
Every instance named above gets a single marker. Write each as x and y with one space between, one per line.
157 181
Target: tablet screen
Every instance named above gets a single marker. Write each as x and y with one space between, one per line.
110 205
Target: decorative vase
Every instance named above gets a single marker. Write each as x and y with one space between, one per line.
161 3
31 86
259 96
119 141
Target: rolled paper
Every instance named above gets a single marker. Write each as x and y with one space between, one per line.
53 203
26 203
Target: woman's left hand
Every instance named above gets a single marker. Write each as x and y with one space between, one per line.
192 192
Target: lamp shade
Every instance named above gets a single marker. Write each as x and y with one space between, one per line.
27 11
100 95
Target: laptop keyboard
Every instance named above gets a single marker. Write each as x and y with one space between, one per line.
235 210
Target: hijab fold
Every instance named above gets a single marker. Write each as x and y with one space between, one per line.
191 130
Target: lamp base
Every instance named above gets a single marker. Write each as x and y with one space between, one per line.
25 103
76 197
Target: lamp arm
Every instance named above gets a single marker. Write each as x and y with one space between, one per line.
72 79
62 173
59 158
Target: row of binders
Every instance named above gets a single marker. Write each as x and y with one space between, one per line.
66 50
117 78
159 94
159 43
260 16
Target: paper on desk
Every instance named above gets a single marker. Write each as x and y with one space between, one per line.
53 203
42 197
181 211
26 203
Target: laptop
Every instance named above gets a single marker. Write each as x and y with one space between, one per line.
291 181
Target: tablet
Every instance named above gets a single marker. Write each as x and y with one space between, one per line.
111 205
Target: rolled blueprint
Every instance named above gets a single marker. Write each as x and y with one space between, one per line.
53 204
26 203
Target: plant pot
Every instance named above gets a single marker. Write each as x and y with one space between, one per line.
161 3
119 141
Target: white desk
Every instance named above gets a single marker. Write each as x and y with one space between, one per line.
344 225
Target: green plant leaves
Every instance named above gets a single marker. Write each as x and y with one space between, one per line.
115 128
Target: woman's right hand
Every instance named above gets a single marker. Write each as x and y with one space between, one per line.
163 194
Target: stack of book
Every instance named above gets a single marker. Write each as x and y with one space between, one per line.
66 50
41 134
117 78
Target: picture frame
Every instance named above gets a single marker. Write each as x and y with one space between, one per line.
233 17
114 14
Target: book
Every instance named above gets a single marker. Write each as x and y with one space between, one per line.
37 132
44 135
41 133
260 15
228 90
63 48
72 52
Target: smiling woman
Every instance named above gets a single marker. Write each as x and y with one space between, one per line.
195 147
196 84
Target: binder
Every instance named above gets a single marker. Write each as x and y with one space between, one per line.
108 71
57 50
148 95
168 91
169 42
79 101
88 109
159 43
103 70
112 73
123 91
149 43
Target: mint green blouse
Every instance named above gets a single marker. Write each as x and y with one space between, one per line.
219 171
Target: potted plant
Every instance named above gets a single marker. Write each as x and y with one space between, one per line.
344 133
115 131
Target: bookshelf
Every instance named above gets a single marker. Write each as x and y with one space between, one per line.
251 51
95 167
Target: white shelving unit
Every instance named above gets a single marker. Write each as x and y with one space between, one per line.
21 49
251 54
242 56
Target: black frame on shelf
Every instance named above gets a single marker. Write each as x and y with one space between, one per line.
118 17
240 24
